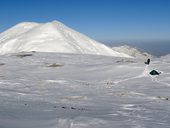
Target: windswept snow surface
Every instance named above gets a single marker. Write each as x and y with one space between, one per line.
131 51
51 37
40 90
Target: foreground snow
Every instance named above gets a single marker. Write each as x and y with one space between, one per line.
40 90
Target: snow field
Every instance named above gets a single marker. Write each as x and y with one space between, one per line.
87 91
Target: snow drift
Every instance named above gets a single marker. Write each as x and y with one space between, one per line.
51 37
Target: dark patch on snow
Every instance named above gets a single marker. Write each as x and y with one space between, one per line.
55 65
162 98
23 55
73 108
125 61
1 64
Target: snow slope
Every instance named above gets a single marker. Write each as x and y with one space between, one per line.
51 37
82 91
131 51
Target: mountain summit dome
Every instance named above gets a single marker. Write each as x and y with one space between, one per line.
51 37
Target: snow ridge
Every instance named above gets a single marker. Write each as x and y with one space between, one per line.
51 37
131 51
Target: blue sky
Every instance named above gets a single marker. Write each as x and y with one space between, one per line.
103 20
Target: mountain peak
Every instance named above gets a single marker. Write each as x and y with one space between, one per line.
56 22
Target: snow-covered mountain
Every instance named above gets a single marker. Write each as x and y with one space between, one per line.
165 58
51 37
131 51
